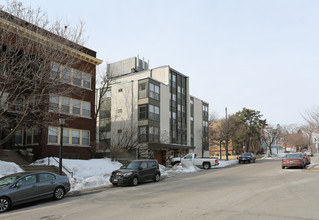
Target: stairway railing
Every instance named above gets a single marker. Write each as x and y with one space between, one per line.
71 173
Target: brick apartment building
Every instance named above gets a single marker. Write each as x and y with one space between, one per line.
67 73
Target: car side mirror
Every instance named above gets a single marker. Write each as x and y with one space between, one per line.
17 185
140 168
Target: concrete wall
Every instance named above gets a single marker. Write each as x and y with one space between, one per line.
198 127
161 74
124 107
164 113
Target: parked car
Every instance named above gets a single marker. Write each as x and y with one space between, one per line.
294 160
309 153
26 187
135 172
202 162
247 157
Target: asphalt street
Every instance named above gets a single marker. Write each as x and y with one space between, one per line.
260 190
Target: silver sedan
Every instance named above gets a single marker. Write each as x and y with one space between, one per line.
26 187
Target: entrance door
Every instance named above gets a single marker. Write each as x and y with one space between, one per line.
158 155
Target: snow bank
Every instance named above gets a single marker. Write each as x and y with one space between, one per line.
225 163
87 174
177 169
95 173
7 168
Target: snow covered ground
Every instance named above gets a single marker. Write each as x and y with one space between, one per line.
95 173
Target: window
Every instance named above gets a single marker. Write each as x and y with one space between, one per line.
179 94
153 112
18 136
65 102
142 90
31 179
53 135
86 80
35 135
174 80
3 100
119 110
29 136
76 107
142 135
77 77
65 106
66 135
54 74
86 106
153 134
143 165
119 131
45 177
120 90
86 138
19 104
154 91
142 112
105 135
76 137
66 74
54 103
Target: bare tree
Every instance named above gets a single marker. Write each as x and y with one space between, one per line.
269 135
35 61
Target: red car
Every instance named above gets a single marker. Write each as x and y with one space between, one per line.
294 160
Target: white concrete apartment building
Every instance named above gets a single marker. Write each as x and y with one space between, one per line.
151 110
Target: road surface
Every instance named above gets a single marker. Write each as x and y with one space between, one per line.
261 190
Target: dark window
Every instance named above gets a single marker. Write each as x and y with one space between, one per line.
142 112
45 177
142 134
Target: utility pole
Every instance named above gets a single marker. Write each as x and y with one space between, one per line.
226 144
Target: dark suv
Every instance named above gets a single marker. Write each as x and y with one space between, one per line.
135 172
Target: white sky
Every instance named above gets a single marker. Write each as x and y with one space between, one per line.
261 55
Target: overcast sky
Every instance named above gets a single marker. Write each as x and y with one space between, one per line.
262 55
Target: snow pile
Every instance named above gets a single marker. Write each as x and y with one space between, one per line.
225 163
87 174
95 173
7 168
177 169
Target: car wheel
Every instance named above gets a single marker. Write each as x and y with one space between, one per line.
157 177
4 204
114 184
58 193
283 167
206 166
254 161
134 181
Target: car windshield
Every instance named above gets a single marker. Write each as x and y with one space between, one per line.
246 155
7 180
293 156
134 165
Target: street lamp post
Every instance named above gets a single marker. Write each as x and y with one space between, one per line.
220 148
62 123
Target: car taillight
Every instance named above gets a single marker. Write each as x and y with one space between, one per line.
285 161
216 161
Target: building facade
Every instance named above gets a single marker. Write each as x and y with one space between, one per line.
151 110
64 73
